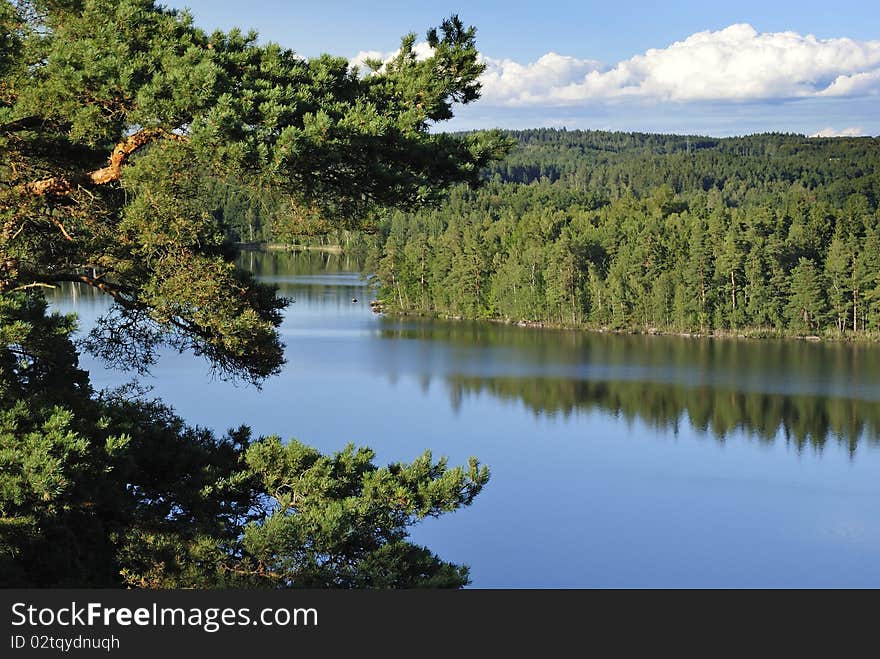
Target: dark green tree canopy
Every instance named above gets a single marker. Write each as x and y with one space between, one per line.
116 115
760 235
116 119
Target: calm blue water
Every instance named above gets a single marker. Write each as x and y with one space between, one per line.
616 461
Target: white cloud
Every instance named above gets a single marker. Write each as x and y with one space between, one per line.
734 64
509 82
422 50
857 84
359 59
831 132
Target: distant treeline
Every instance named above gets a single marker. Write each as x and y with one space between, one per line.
266 217
772 233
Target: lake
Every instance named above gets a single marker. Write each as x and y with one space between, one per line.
616 460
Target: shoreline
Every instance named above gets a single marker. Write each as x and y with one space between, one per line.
747 334
284 247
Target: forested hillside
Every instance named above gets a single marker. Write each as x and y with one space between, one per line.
767 233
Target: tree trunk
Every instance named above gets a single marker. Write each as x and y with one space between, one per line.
60 186
855 294
733 289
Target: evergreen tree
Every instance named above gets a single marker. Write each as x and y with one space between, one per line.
869 278
698 274
711 248
121 126
807 304
837 272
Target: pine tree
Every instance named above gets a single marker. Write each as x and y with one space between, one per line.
837 272
698 275
807 303
120 122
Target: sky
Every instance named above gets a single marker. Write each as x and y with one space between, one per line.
674 67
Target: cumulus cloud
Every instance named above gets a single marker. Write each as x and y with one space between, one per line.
734 64
857 84
421 49
831 132
364 55
510 82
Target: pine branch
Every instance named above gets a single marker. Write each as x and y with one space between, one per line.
60 186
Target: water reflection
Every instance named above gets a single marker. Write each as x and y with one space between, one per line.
802 420
575 427
309 277
803 393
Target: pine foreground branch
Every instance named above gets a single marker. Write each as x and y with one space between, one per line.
62 185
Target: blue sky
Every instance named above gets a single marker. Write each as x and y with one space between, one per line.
686 66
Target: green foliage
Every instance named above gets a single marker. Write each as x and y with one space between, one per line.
807 304
352 516
130 143
651 232
114 490
115 144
